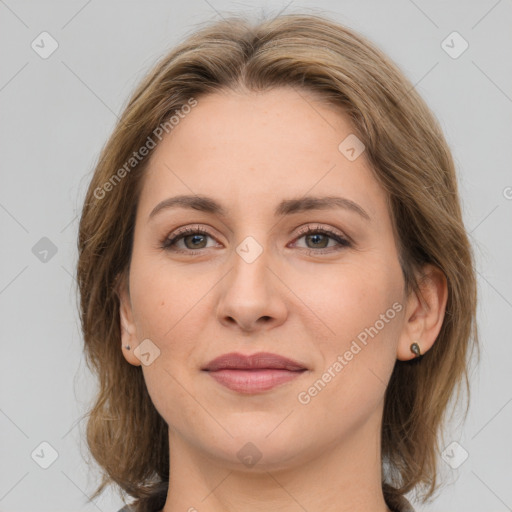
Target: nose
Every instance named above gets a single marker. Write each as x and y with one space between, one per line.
252 296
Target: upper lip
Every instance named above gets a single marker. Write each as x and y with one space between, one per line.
261 360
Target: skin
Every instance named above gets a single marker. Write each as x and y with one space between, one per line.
249 151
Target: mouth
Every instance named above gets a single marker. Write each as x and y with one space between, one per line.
253 373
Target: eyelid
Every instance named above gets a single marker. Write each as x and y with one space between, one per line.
309 228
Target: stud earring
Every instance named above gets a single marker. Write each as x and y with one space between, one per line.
415 349
127 347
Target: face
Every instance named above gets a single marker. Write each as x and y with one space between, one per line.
317 283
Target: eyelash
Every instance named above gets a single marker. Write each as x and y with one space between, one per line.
170 240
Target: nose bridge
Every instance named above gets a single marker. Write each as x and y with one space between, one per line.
250 260
251 236
251 291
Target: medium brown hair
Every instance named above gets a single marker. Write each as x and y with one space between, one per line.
410 159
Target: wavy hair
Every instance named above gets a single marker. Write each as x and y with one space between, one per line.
410 159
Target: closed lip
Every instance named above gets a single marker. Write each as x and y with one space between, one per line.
259 361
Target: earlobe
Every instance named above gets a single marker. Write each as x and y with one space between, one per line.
128 330
424 314
416 349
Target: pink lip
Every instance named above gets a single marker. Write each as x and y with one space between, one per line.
253 373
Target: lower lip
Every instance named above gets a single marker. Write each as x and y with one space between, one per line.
253 381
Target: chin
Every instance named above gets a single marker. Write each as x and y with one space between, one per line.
257 445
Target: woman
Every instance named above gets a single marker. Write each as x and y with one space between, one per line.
277 290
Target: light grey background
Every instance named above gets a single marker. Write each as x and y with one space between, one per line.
57 113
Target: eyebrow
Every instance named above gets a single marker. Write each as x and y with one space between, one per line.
285 207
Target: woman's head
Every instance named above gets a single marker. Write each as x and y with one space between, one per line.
256 126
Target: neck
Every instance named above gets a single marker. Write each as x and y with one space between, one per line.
344 477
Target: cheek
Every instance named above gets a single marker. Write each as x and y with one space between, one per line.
171 309
365 312
165 310
152 306
363 308
346 300
161 298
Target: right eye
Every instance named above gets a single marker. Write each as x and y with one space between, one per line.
196 237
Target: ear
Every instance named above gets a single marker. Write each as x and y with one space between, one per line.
128 330
424 313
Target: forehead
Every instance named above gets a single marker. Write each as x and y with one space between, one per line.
259 145
281 121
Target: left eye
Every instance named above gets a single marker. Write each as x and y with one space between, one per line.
320 238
